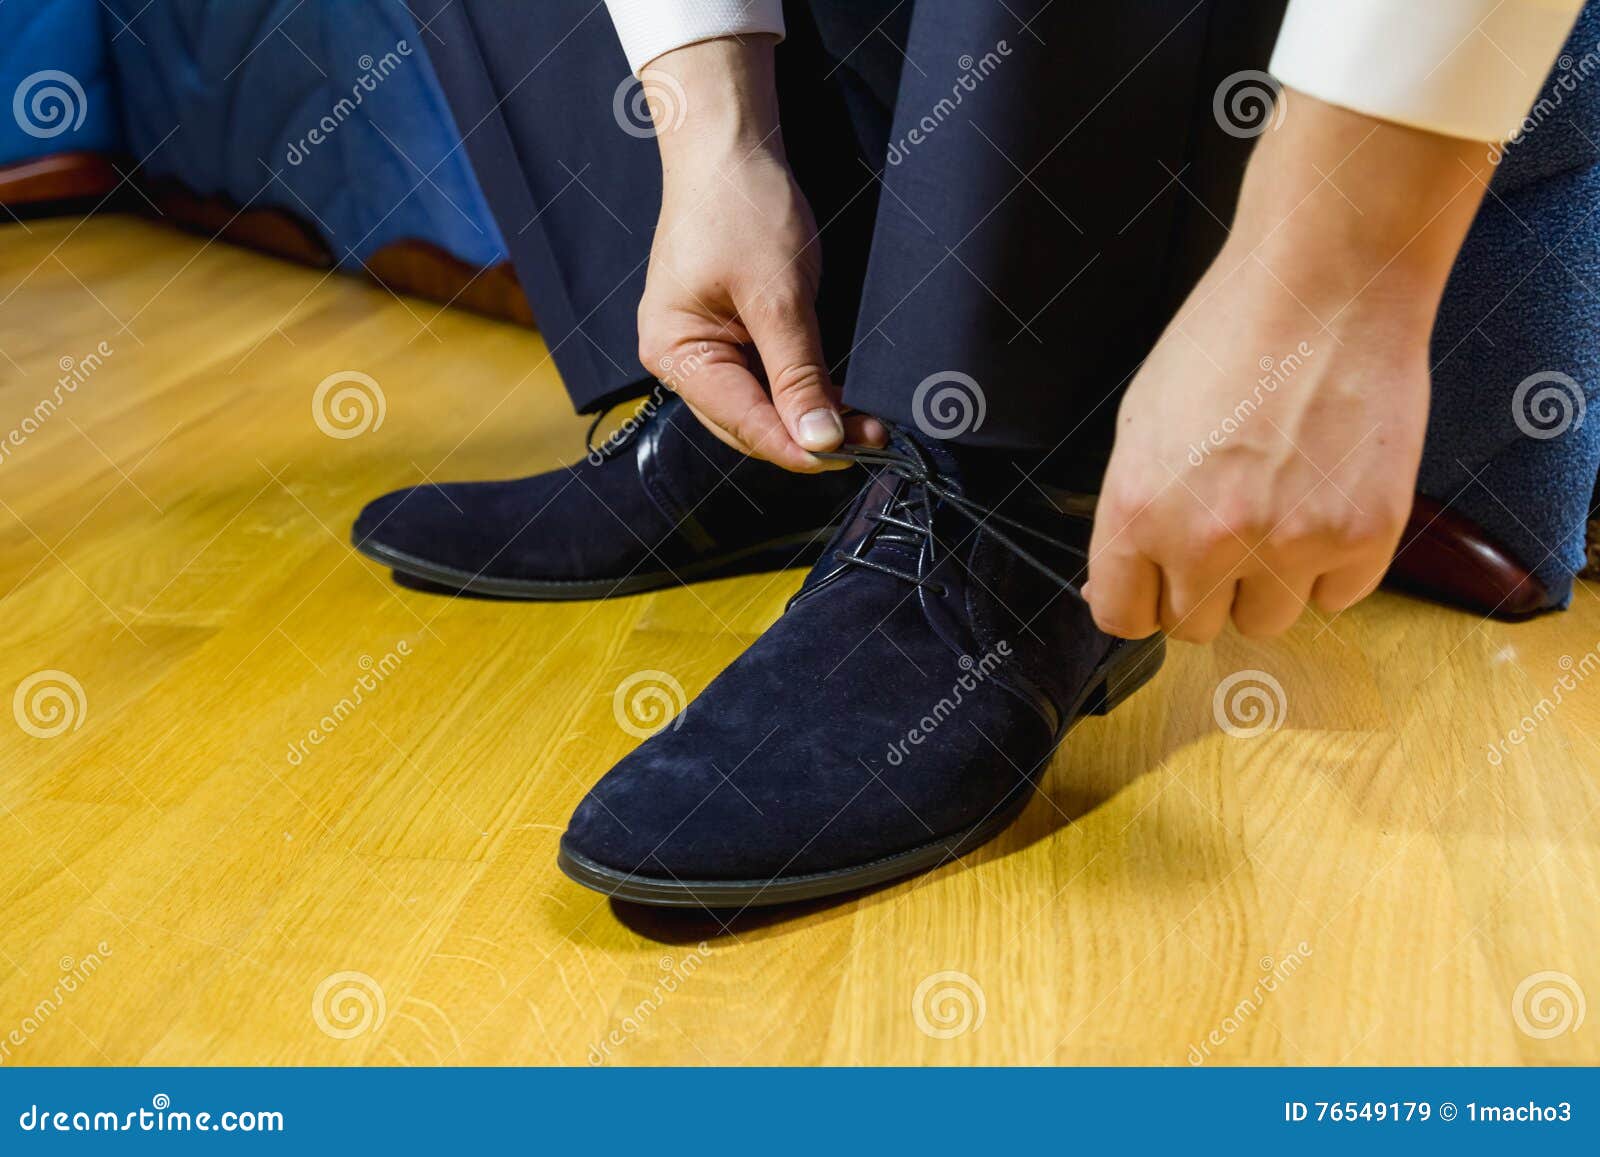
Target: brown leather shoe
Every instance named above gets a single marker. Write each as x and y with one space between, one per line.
1446 556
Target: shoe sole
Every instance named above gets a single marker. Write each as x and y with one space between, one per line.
798 550
1124 672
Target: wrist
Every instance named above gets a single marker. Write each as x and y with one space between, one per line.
1345 208
726 93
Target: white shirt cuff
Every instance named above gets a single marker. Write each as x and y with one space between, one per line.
1463 68
648 28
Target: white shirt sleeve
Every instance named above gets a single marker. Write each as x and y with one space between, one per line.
1463 68
648 28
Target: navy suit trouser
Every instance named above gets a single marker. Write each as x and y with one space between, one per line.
1012 198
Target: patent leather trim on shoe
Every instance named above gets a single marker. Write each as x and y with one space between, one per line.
796 550
681 516
1124 670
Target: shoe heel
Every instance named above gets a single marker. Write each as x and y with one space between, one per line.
1132 669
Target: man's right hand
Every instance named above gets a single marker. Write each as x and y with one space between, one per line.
728 316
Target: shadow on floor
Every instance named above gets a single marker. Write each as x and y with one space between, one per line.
1046 814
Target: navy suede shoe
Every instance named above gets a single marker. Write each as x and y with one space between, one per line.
664 503
898 714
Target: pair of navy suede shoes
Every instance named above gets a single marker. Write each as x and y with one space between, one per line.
898 714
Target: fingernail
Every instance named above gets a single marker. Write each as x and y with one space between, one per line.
820 430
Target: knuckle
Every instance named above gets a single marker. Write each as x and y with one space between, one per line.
1359 530
1341 527
755 434
1300 531
785 304
1238 524
1121 506
798 379
1207 546
653 347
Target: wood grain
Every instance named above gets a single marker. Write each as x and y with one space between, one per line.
1359 884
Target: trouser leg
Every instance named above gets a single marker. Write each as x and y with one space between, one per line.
1513 440
574 195
542 96
1054 181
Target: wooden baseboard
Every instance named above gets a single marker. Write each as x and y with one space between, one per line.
411 266
407 266
58 177
423 268
270 231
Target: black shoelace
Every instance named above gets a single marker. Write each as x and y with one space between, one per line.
909 520
643 415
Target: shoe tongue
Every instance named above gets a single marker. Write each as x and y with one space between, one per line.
999 481
980 474
941 456
983 474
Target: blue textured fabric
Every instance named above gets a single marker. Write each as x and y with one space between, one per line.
1512 443
336 98
55 79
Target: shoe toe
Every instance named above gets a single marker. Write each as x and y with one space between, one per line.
432 524
597 833
372 525
666 813
642 819
821 793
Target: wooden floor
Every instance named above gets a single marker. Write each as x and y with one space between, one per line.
1359 883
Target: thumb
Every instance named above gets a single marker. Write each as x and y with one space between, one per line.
784 330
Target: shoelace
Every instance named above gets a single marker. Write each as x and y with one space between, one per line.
642 416
901 512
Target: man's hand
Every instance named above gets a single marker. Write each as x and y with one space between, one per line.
728 315
1267 452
